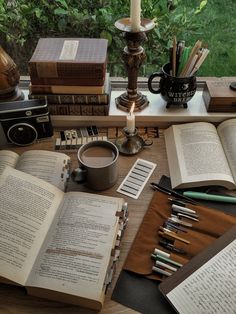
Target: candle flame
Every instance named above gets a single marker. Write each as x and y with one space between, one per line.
132 108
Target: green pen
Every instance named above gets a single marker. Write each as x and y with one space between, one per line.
166 259
210 197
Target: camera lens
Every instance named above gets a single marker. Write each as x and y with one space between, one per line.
22 134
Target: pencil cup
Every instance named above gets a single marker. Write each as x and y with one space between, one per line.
174 90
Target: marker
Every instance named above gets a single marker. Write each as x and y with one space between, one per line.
160 252
211 197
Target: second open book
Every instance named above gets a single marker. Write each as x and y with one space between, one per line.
58 245
199 154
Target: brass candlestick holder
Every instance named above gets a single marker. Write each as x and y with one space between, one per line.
131 143
133 56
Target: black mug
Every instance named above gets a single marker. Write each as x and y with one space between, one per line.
174 90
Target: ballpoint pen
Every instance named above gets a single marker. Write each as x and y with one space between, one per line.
172 192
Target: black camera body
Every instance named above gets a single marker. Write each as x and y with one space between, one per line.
24 122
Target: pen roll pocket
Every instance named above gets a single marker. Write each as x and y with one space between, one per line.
212 224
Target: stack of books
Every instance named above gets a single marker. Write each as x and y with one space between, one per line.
71 75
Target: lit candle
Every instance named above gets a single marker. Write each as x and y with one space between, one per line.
135 12
130 121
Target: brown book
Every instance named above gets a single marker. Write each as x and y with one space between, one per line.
218 96
69 61
72 94
62 242
79 109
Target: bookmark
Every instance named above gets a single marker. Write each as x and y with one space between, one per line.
136 179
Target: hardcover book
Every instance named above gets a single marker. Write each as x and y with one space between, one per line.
79 109
59 246
72 94
69 61
199 154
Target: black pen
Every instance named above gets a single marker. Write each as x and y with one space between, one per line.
172 192
171 247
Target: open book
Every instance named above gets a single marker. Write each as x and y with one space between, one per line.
52 167
206 284
199 154
58 245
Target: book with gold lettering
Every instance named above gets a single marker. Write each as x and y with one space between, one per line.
59 246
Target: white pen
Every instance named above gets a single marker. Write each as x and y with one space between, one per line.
187 216
161 271
159 263
179 221
160 252
185 209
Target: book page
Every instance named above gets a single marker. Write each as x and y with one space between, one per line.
7 158
227 132
210 289
74 259
196 157
46 165
27 208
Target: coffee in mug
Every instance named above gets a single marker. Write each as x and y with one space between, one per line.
98 165
97 156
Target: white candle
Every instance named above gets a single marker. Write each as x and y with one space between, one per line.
135 13
130 121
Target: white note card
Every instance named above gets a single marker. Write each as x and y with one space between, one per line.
211 289
134 182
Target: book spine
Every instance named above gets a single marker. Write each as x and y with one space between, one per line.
50 70
85 81
73 99
78 109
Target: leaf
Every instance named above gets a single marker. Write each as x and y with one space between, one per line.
38 13
63 3
106 35
60 11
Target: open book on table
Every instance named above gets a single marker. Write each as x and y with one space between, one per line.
206 284
52 167
58 245
199 154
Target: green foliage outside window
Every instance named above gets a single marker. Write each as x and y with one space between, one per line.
23 22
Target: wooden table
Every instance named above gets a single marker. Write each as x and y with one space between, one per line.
15 300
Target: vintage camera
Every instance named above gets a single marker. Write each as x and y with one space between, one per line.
23 122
